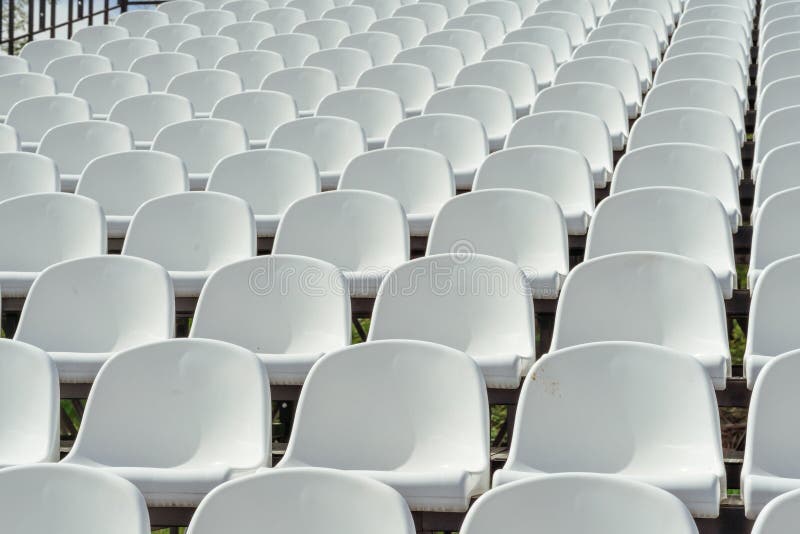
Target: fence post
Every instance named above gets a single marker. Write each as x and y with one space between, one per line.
12 17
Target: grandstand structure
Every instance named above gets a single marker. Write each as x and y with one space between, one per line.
271 264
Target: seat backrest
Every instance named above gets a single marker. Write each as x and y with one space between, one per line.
146 114
491 106
779 27
779 514
195 231
778 66
647 17
420 179
122 182
211 398
337 500
293 47
346 63
663 219
663 7
92 38
443 61
73 145
98 304
123 52
381 46
702 65
283 19
711 44
177 10
312 8
19 86
161 68
307 85
409 29
205 87
104 90
139 21
774 174
40 53
772 310
778 44
582 8
331 141
208 49
616 72
321 226
170 36
252 66
771 242
376 110
651 297
201 143
461 139
777 95
567 21
599 99
696 93
304 300
565 502
50 228
508 12
248 33
400 376
70 500
490 27
259 112
13 65
327 31
722 12
33 117
434 15
245 9
210 21
67 70
268 179
776 129
358 18
556 38
414 83
776 11
30 408
538 56
632 51
612 384
514 77
702 28
23 173
9 141
632 31
382 8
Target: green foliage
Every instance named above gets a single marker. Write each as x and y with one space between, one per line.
20 23
737 343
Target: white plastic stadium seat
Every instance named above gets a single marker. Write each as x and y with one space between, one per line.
474 303
770 467
413 83
259 112
567 21
508 12
33 117
320 226
454 7
67 70
248 33
598 99
330 500
70 500
631 31
376 110
776 175
331 141
39 54
772 316
460 138
83 311
722 12
146 114
159 69
666 219
358 18
410 30
123 52
30 433
433 15
327 31
208 49
686 165
304 300
203 418
583 132
22 173
522 227
778 515
92 38
192 235
269 180
780 94
698 93
582 8
778 66
560 173
556 38
780 43
771 241
567 502
170 36
489 105
210 21
443 61
514 77
632 51
9 141
382 8
139 21
252 66
688 125
122 182
105 89
312 8
201 143
283 19
204 88
73 145
630 297
681 454
382 46
776 11
420 179
346 63
704 66
307 85
711 45
398 449
777 129
536 55
16 87
245 9
293 47
707 28
13 65
644 16
616 72
490 27
49 228
663 7
177 10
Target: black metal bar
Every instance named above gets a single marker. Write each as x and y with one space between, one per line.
52 19
106 10
42 15
30 20
70 18
12 18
